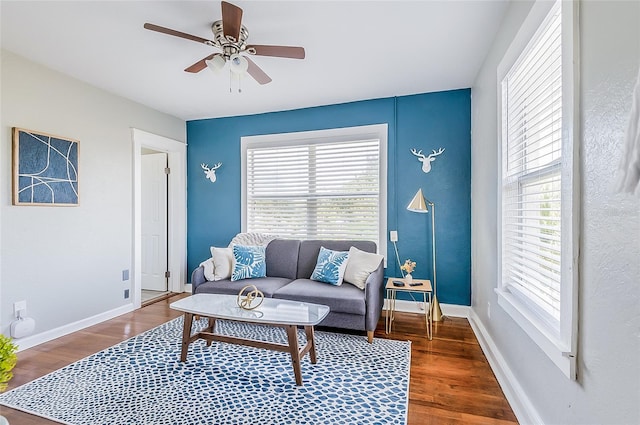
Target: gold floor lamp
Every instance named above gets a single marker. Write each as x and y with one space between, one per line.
419 204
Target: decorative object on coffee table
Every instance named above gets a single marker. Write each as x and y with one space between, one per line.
246 301
419 204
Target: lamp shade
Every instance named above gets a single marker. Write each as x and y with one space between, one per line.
239 64
418 203
216 63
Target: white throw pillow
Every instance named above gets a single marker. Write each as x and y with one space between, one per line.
208 269
360 265
222 262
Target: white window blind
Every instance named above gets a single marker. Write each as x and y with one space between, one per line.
531 173
314 189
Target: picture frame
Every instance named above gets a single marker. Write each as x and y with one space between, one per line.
45 169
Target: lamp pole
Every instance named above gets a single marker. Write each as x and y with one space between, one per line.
419 204
436 312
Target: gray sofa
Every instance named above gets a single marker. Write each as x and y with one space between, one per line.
290 264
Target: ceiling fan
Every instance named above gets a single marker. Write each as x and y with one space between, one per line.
230 36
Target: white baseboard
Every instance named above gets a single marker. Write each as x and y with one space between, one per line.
33 340
452 310
187 288
522 406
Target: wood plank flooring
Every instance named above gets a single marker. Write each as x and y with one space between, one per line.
451 381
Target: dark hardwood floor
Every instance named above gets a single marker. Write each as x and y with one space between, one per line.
451 381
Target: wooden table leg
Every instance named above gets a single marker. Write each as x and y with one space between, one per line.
308 330
292 335
210 328
186 336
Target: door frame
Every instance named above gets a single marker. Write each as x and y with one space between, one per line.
177 209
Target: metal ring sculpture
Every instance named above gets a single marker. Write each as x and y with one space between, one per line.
245 301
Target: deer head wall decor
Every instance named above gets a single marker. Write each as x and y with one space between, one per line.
210 173
426 160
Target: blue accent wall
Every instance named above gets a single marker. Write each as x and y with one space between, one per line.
424 121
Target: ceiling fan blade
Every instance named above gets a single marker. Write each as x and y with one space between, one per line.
257 73
231 21
201 64
277 51
175 33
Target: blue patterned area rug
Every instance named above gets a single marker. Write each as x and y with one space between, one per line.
141 381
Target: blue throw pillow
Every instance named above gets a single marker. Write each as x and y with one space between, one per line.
249 262
330 266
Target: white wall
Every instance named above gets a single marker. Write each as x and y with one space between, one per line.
67 262
608 386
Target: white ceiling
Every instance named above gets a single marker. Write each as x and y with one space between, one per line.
355 50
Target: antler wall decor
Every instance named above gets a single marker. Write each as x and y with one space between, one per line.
426 160
210 173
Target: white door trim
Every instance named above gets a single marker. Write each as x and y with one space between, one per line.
177 205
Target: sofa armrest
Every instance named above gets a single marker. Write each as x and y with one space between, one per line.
197 278
374 297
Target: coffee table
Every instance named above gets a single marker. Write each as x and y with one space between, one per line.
273 312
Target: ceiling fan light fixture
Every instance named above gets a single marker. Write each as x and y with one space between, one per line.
216 63
238 64
230 37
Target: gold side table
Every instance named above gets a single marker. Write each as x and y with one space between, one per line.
421 286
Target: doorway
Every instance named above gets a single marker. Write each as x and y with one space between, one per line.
176 201
154 210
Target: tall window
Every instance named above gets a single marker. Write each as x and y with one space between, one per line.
316 185
537 274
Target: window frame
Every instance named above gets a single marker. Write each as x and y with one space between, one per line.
367 132
559 345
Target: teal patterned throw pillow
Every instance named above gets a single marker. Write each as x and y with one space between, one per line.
330 266
249 262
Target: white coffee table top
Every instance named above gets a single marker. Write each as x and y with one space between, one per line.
272 310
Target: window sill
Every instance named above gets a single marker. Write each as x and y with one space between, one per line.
558 352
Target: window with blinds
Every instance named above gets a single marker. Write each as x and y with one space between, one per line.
315 188
531 172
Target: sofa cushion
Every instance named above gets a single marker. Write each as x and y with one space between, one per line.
222 259
360 265
282 258
267 285
342 299
249 262
330 266
309 252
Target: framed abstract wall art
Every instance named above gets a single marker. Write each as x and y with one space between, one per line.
45 169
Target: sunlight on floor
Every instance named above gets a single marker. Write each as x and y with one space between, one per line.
148 295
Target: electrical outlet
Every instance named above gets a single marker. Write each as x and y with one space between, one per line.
20 306
125 275
126 294
489 310
393 236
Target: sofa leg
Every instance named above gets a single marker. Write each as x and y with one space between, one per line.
370 336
